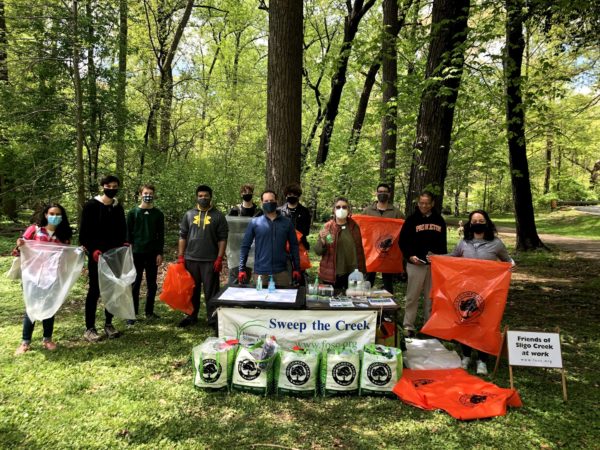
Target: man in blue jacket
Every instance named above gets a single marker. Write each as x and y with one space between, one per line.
271 233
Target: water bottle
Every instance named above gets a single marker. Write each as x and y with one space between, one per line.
354 278
271 284
259 283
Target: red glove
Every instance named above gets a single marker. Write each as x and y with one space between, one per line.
180 260
96 255
126 244
242 277
218 265
296 275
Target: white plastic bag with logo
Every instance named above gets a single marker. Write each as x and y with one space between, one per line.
116 274
48 274
380 370
213 363
340 371
297 372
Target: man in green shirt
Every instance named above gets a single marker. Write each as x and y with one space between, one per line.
146 234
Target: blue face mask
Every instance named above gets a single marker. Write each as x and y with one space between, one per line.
54 220
269 207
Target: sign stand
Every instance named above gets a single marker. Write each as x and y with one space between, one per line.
533 349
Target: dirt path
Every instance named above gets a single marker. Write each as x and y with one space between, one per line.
582 248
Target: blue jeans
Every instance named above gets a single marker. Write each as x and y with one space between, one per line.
28 325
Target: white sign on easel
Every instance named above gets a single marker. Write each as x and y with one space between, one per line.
527 348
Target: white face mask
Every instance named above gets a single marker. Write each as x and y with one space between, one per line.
341 213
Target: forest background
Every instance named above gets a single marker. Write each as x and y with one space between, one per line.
176 92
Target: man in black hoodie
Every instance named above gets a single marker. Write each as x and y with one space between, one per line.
424 232
102 227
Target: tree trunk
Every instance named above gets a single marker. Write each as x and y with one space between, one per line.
356 12
93 142
527 237
549 145
389 76
3 46
284 94
436 114
78 111
121 108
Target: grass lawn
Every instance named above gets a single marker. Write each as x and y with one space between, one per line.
137 391
564 222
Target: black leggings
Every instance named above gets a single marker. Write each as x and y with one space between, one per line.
91 301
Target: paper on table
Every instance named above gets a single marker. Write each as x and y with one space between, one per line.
252 295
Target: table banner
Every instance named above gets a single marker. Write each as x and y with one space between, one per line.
316 329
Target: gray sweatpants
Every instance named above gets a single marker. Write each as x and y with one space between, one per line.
207 280
419 281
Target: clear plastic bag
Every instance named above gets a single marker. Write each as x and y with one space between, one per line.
14 273
48 273
116 274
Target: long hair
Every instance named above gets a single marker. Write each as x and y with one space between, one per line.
63 231
490 232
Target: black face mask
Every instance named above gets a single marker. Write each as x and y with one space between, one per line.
292 200
111 193
269 207
383 197
204 202
478 227
247 197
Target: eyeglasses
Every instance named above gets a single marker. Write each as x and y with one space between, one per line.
341 206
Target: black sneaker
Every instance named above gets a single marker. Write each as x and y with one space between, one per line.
189 320
130 323
111 332
152 316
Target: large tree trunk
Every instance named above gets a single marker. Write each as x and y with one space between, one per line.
93 142
436 114
527 237
121 112
284 94
78 111
389 77
356 12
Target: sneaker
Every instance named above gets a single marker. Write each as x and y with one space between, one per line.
410 333
465 362
22 349
49 345
91 335
130 323
189 320
111 332
152 316
481 368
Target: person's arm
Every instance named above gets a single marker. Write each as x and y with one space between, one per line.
502 253
321 245
458 250
294 249
160 231
184 229
246 244
122 225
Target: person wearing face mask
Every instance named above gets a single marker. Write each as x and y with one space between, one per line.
423 232
383 208
247 208
52 225
340 247
102 227
146 234
202 242
270 233
480 242
296 211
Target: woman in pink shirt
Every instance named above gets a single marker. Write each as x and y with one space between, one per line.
52 226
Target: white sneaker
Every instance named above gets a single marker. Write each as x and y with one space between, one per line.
481 368
465 362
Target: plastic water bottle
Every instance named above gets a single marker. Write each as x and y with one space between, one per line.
259 283
354 278
271 284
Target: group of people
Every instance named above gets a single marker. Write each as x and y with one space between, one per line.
272 230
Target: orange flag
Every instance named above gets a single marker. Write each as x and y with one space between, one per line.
380 241
468 300
461 395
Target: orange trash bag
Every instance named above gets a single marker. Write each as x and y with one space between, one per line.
463 396
304 258
468 299
177 288
380 237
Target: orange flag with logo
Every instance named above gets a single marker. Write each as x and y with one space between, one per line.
468 300
380 241
461 395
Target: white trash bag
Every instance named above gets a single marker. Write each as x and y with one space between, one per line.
429 354
116 274
48 274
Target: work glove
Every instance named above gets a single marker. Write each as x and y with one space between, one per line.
296 275
218 264
242 276
180 259
96 255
